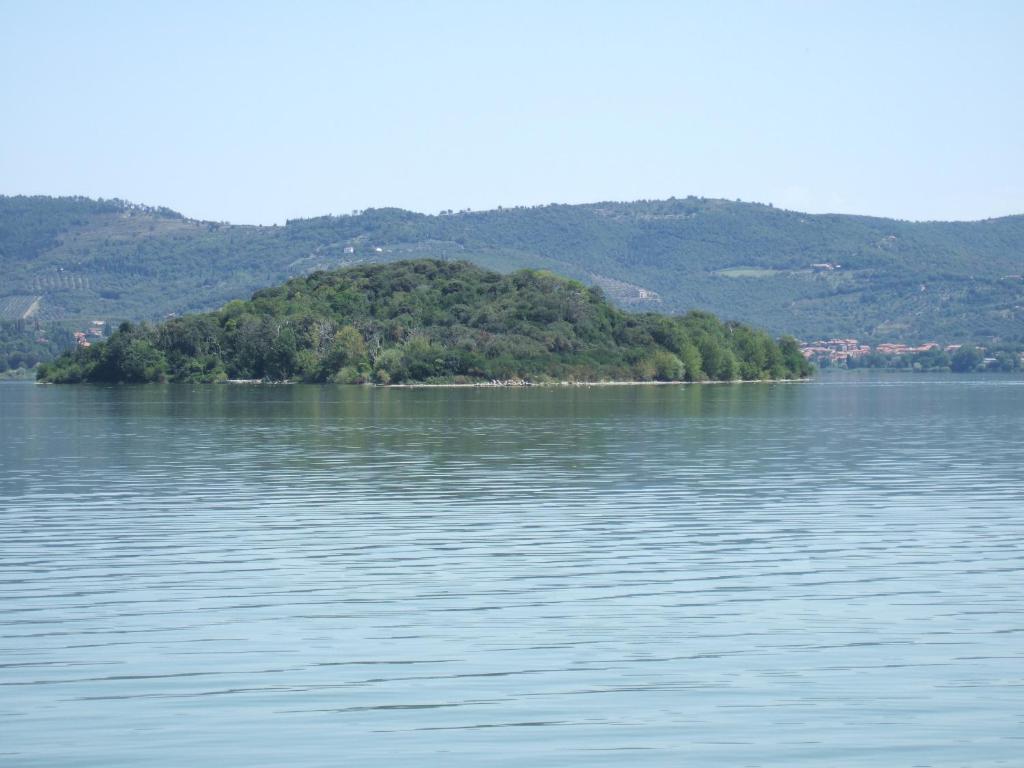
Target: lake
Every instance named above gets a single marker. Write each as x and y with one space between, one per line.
820 574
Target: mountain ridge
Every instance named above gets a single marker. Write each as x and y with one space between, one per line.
810 275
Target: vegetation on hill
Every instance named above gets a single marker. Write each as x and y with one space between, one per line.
430 321
813 276
24 343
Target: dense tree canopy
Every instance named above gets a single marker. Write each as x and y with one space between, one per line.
431 321
967 359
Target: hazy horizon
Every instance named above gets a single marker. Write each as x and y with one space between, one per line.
255 113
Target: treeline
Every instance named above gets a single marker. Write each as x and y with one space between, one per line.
431 321
967 359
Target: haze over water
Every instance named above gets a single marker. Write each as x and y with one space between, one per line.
811 574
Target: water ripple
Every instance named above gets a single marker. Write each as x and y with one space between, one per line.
808 575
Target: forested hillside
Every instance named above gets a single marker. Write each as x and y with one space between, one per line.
430 321
74 259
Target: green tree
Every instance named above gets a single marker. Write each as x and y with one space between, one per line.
667 366
966 359
347 348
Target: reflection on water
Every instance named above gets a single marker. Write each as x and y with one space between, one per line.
819 574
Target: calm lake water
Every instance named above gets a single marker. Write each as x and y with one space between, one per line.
823 574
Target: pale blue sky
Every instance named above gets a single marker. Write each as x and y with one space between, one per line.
258 112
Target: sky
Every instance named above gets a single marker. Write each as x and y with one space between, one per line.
257 112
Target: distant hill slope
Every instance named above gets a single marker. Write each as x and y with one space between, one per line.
425 320
808 275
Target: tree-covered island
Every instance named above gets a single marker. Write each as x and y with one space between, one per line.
428 321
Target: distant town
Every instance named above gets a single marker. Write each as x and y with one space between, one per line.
838 352
850 353
96 331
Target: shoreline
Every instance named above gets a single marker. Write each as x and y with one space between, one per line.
470 385
515 383
528 384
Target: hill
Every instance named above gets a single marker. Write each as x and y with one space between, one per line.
430 321
72 260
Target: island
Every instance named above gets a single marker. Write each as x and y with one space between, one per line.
429 321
